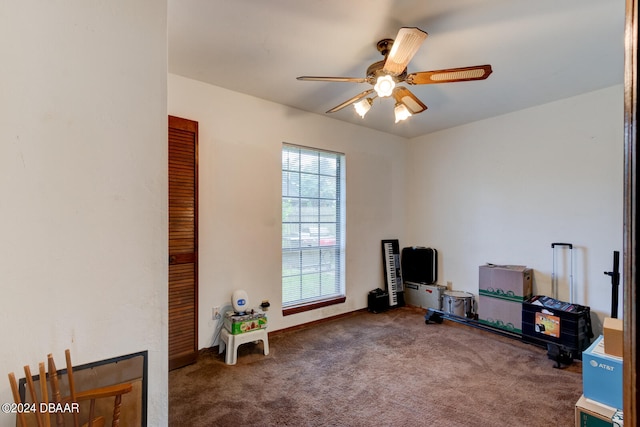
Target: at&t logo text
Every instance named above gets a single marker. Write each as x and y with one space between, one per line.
602 365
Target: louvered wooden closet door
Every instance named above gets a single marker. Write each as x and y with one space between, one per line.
183 242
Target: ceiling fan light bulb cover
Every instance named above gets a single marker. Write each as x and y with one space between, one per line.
401 112
384 86
363 106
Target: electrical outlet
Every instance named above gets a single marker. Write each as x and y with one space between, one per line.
216 313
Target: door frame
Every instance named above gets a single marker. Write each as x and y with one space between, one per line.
630 248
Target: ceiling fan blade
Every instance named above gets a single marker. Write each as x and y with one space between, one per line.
351 101
406 97
332 79
405 46
479 72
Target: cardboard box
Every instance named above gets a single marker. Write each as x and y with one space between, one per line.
500 313
592 414
237 324
613 336
424 296
602 375
508 282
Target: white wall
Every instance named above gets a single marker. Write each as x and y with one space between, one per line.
503 189
83 186
240 141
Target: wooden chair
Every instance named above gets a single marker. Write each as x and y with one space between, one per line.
69 404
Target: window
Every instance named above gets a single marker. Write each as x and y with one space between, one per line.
312 228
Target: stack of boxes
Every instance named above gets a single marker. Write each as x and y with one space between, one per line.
601 403
503 288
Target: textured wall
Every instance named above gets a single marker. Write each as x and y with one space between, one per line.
83 185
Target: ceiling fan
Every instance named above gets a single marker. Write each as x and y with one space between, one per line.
385 76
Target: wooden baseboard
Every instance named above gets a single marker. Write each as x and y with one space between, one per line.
316 322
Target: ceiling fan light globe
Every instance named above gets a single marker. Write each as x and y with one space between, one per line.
401 112
363 106
384 86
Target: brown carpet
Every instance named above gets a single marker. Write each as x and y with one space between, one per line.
387 369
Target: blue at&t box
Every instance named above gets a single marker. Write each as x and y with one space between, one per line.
602 375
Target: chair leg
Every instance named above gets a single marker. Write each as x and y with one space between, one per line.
44 393
72 385
116 411
231 356
16 398
265 344
55 388
34 397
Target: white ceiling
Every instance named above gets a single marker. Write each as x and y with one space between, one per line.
540 51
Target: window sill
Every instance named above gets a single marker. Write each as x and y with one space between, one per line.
312 305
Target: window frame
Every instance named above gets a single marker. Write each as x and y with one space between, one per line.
316 246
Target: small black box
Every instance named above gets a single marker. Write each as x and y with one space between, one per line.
378 301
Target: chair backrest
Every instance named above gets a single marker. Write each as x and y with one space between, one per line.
50 402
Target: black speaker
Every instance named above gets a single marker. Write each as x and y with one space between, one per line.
378 301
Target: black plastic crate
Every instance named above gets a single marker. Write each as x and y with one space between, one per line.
548 321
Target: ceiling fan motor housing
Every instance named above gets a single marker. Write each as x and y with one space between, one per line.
375 70
384 46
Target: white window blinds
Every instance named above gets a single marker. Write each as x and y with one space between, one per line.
312 225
